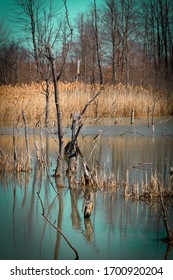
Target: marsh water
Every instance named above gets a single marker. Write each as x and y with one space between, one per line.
119 228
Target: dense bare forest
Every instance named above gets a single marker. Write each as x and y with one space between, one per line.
127 41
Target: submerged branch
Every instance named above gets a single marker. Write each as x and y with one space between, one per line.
57 229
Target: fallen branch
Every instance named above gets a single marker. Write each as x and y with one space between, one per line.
62 234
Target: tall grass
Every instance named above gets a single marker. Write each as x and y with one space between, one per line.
114 101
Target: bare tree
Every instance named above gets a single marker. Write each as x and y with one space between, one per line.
125 41
26 12
58 110
86 50
158 39
111 36
4 34
97 42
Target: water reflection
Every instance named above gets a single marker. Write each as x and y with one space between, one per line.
59 225
118 227
119 154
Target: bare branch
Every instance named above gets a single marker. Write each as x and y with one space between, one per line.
67 17
57 229
89 102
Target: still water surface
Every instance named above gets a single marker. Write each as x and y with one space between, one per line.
118 228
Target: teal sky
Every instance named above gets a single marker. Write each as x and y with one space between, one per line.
74 7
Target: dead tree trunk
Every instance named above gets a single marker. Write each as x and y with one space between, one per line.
89 184
97 43
88 204
26 133
76 126
47 103
72 149
78 70
58 112
27 167
14 149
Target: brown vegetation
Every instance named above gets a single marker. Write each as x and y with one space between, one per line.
115 101
21 164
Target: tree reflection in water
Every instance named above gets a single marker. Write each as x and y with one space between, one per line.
115 220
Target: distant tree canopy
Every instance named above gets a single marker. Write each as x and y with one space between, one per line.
125 41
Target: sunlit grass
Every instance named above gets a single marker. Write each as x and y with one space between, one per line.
114 101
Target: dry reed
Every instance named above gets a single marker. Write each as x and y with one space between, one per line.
148 191
114 101
21 164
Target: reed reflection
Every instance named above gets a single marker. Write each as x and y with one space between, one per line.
116 218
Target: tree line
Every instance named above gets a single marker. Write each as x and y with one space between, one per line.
124 41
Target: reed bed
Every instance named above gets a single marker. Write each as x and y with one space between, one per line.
9 164
114 101
148 192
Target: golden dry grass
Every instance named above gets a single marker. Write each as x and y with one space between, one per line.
114 101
